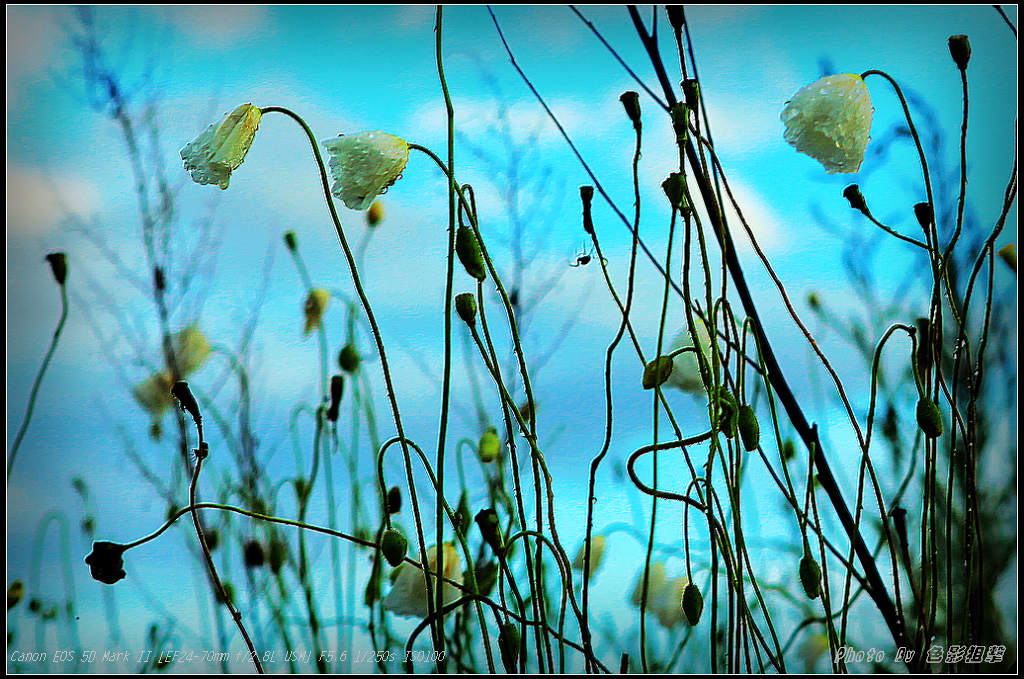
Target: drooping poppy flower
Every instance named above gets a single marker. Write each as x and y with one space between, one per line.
364 165
830 120
212 156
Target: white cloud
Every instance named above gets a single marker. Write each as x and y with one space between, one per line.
219 25
37 200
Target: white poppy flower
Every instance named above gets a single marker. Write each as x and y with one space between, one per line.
685 373
830 120
408 595
364 165
191 349
664 597
217 152
596 554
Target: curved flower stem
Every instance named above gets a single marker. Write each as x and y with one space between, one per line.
375 331
39 378
201 453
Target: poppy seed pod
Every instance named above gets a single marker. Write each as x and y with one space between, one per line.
393 545
852 193
375 215
960 50
465 307
750 431
254 555
509 642
348 358
489 446
631 102
467 247
106 563
290 241
337 389
693 604
929 418
675 17
830 120
59 266
218 151
490 528
364 165
810 576
656 372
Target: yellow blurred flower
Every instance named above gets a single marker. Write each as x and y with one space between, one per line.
316 302
596 554
216 153
830 120
154 394
364 165
664 597
408 595
191 349
375 214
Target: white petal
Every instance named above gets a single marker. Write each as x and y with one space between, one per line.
364 165
830 120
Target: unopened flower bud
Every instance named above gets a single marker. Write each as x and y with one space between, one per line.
656 372
509 642
587 197
960 50
675 189
788 450
490 528
290 241
316 303
375 214
728 412
691 94
393 545
14 594
59 266
680 113
465 307
631 102
106 563
925 215
929 418
852 193
394 500
675 17
254 556
814 301
924 346
188 402
228 597
337 389
278 554
750 431
693 604
159 282
467 247
348 358
212 538
489 446
463 517
810 576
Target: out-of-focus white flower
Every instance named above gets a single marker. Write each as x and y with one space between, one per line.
216 153
408 595
685 367
316 302
664 597
154 394
596 554
830 120
364 165
191 349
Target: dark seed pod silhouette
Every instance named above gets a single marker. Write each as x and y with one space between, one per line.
106 562
960 50
348 358
490 528
254 555
394 500
59 266
337 389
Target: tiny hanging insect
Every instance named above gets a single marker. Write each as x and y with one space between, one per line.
583 258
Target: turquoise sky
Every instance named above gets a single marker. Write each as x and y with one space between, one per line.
350 69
